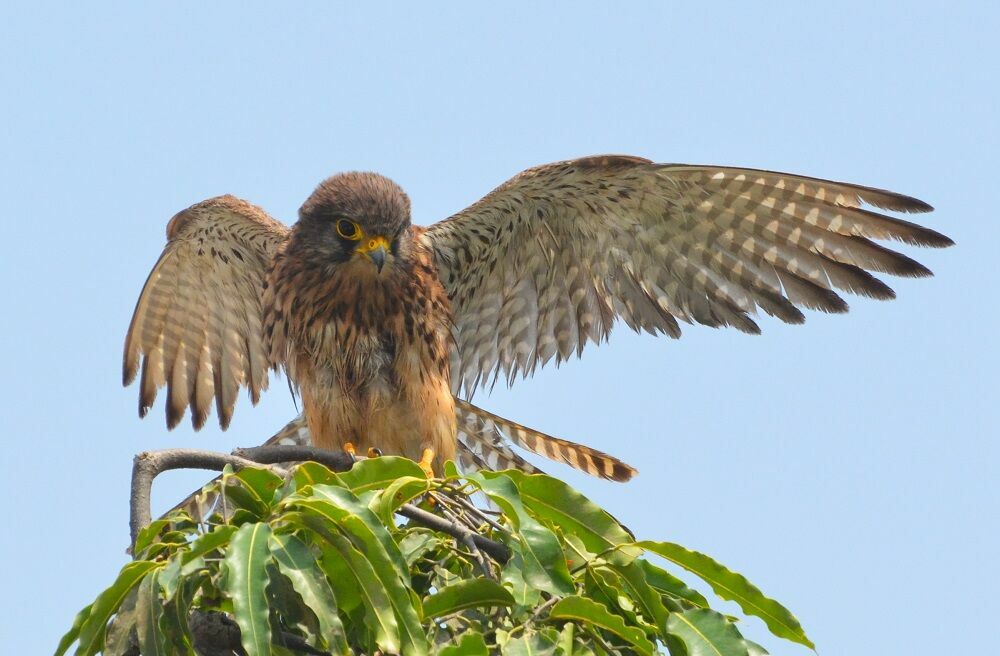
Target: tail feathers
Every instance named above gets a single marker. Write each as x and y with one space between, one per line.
578 456
482 446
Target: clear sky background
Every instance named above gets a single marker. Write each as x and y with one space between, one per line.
848 466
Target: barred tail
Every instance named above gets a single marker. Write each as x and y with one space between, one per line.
578 456
482 446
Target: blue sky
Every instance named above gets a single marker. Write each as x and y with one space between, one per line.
848 466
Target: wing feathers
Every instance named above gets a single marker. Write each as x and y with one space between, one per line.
603 238
196 328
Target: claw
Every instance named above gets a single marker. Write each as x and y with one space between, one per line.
374 452
425 462
349 449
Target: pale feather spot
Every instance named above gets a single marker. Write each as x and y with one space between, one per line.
812 215
719 176
836 223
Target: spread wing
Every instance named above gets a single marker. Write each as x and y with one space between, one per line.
197 325
549 260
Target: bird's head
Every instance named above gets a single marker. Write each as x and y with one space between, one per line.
356 219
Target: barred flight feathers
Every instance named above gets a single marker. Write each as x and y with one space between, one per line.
547 262
197 325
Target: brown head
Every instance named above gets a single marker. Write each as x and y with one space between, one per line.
354 219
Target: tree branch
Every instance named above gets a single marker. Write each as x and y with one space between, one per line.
150 464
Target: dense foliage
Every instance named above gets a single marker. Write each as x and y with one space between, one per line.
323 561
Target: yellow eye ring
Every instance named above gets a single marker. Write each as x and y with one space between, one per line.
349 230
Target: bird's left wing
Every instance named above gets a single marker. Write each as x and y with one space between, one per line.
197 325
546 262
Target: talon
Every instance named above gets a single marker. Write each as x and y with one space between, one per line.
374 452
425 462
349 449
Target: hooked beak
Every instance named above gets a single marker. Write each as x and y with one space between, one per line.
376 248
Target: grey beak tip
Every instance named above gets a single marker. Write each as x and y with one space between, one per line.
378 257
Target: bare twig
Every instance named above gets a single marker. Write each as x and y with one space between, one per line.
495 550
150 464
477 512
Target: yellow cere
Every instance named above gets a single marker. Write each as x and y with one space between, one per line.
373 243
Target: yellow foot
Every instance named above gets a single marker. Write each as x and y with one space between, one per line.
425 462
349 449
374 453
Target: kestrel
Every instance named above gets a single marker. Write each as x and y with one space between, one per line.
381 325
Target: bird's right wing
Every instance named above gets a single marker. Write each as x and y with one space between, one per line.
196 329
547 262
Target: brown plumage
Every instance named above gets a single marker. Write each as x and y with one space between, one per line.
380 323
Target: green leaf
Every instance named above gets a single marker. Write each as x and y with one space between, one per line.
252 489
149 611
581 609
92 630
416 543
341 508
551 499
400 491
451 470
471 643
379 473
537 554
627 586
118 637
754 648
668 584
473 593
733 587
707 633
208 542
531 643
297 563
245 584
74 631
313 473
175 613
148 535
363 580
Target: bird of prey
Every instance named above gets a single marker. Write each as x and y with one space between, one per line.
383 326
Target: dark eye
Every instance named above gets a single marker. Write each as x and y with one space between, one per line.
348 229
